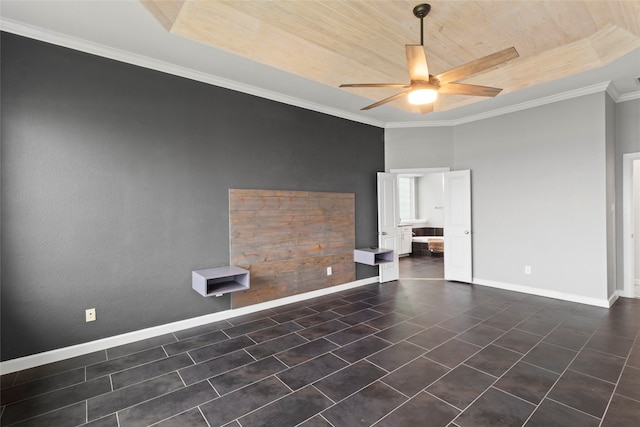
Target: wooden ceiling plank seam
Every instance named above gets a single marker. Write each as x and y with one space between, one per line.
291 21
165 12
625 14
573 20
612 42
373 38
202 21
448 41
331 36
358 43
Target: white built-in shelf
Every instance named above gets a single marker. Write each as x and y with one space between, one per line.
373 256
210 282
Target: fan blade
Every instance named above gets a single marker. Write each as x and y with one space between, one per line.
400 85
466 89
426 108
417 62
384 101
478 65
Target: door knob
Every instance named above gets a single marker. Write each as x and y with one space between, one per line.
384 233
466 231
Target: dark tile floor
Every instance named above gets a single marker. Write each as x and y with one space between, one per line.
405 353
422 267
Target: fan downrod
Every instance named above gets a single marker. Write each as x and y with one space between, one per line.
420 11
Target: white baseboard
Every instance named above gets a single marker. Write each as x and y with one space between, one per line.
56 355
613 298
630 292
548 293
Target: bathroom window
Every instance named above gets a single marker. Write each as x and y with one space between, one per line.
407 198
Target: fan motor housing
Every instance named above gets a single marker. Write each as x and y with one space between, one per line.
433 83
421 10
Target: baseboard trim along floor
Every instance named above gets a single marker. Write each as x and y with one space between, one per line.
56 355
606 303
43 358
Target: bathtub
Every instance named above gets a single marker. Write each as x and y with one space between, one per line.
425 239
423 245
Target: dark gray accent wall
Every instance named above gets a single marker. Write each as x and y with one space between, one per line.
115 184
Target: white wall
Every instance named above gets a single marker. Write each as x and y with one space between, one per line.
407 148
539 195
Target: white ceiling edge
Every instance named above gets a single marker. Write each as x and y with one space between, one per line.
120 55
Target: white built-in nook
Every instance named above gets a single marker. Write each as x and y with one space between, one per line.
373 256
220 280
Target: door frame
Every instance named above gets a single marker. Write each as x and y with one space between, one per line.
627 224
422 171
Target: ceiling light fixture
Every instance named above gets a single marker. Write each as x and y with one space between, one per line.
423 88
422 96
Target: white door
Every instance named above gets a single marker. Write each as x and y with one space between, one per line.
388 224
457 226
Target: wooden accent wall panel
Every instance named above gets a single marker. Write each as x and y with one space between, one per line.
287 239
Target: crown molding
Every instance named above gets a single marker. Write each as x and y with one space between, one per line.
97 49
64 40
629 96
618 97
613 92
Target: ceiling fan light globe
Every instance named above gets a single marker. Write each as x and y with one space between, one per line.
422 96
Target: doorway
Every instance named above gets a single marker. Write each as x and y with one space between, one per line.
631 224
422 214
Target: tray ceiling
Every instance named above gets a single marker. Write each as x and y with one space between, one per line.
334 42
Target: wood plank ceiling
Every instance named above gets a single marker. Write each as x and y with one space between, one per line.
361 41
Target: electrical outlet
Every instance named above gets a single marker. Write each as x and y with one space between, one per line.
329 271
527 269
90 314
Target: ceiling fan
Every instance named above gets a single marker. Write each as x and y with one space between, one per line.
424 87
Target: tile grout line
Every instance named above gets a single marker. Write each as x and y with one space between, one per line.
202 415
266 404
626 361
310 418
166 394
574 409
536 406
564 371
